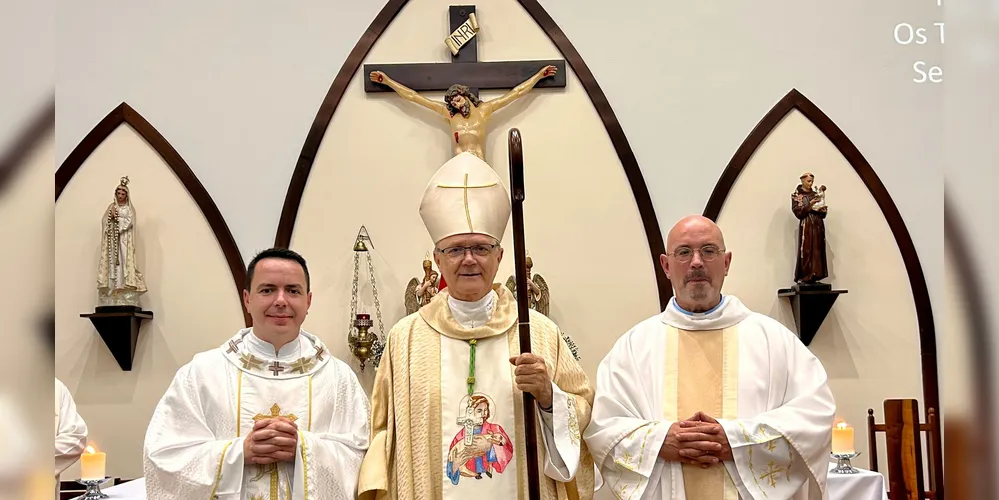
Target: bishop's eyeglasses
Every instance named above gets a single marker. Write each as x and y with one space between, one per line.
458 252
708 253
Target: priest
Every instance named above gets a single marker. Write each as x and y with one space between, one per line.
709 400
269 413
447 403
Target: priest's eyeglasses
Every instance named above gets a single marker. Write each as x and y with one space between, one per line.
708 253
458 252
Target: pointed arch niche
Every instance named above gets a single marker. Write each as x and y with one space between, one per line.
186 254
123 114
367 159
882 330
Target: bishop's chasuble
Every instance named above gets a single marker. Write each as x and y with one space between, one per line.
742 368
447 418
194 443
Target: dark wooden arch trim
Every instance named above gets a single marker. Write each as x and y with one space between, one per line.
13 160
973 473
124 114
794 100
307 157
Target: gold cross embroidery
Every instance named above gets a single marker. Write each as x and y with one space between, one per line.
465 187
319 352
771 474
275 412
233 344
250 361
302 365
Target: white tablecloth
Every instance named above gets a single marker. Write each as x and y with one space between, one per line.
864 485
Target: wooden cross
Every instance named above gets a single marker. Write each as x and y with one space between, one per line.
464 67
275 368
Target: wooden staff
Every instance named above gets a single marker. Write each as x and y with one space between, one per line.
523 305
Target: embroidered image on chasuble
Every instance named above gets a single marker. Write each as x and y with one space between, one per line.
747 371
194 444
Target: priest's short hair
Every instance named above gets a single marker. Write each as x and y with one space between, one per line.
277 253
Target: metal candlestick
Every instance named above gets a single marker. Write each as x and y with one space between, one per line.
843 465
93 488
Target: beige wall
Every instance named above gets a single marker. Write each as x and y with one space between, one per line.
191 294
869 342
583 229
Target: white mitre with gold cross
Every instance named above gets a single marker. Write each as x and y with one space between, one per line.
465 196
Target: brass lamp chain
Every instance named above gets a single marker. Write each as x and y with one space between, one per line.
353 294
374 291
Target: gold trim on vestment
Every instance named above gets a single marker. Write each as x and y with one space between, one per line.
305 467
218 472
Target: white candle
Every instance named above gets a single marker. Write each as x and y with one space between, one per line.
93 464
842 439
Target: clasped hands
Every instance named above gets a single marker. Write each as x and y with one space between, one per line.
271 440
531 375
700 440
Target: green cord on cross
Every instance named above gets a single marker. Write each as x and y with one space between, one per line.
471 367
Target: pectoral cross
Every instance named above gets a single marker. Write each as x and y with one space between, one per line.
465 66
465 187
468 422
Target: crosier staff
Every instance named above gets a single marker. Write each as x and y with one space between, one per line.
516 157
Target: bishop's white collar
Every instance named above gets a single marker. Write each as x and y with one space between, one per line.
729 311
473 314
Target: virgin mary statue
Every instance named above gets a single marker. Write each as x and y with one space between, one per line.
119 281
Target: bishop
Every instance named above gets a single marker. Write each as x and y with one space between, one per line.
447 404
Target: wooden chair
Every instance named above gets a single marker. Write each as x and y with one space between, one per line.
903 438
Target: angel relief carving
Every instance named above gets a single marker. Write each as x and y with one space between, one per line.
540 299
420 292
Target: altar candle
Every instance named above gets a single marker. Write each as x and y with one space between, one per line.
842 439
92 464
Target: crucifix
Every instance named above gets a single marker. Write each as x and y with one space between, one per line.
461 79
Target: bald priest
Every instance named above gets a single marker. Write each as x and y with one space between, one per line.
447 404
268 414
709 400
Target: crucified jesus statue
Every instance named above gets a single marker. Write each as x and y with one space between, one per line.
467 115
